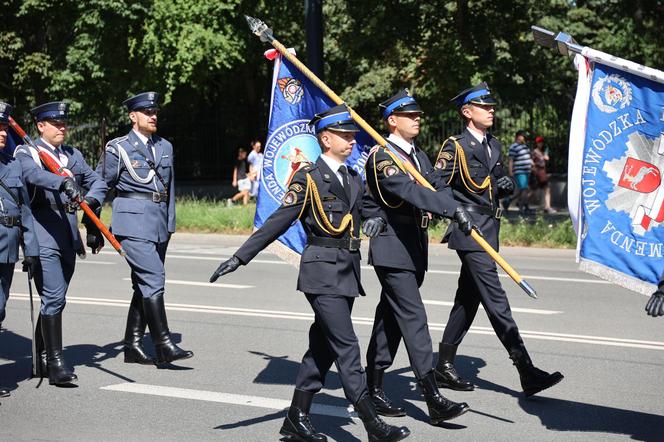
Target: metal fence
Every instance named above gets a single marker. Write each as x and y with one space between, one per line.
205 149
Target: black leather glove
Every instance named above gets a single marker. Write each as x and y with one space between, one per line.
505 185
227 266
373 226
71 189
94 239
30 265
655 305
94 204
465 222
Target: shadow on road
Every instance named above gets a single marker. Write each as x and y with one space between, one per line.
329 425
562 415
15 348
282 371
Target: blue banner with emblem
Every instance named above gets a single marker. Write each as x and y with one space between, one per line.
291 142
621 190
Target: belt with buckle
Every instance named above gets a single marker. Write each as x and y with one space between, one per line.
351 244
422 220
483 210
155 197
69 207
10 221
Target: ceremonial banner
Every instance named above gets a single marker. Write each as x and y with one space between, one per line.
616 162
291 143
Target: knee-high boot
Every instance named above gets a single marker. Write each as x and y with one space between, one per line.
58 372
41 367
133 346
155 314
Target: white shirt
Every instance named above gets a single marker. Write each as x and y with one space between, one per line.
480 137
145 139
405 146
61 155
334 166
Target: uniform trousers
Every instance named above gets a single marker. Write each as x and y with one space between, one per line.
332 340
400 313
479 283
53 277
6 276
146 259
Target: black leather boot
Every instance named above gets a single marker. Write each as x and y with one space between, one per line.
384 405
446 374
4 392
377 429
58 372
440 408
297 425
533 380
133 341
41 367
155 314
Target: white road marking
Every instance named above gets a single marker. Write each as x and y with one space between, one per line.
299 316
533 311
435 272
80 261
225 398
203 284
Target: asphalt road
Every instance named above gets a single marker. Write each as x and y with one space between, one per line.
249 332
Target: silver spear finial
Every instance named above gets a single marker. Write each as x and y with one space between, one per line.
259 28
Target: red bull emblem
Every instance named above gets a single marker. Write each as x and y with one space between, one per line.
640 176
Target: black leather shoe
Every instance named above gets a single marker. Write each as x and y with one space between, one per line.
440 408
58 372
134 353
4 392
155 314
533 380
446 374
297 425
383 404
377 429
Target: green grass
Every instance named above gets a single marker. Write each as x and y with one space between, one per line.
208 216
520 232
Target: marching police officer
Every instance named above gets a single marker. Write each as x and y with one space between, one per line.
399 255
327 198
472 164
16 223
655 305
139 166
54 202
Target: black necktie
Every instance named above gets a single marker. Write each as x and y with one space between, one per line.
149 145
343 171
413 158
487 149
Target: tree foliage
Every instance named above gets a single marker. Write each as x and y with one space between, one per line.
210 68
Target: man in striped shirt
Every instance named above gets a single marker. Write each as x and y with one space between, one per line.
520 165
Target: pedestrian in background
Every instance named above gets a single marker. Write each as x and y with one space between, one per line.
255 159
540 158
241 179
520 166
